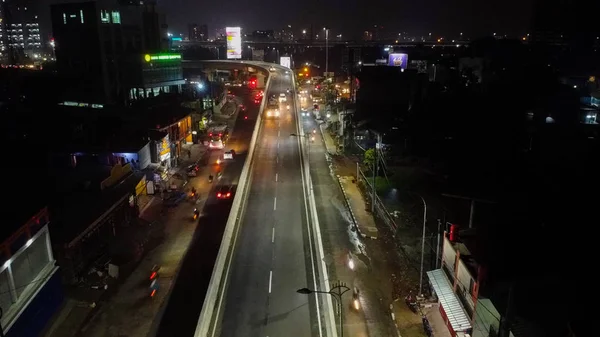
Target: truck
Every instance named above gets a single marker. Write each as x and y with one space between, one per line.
217 136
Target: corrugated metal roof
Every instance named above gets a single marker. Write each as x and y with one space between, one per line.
448 300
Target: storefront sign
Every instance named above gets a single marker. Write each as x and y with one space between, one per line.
161 57
82 105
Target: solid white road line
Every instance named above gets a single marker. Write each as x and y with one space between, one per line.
276 177
273 235
275 204
270 280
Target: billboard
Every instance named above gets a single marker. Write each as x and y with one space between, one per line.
285 61
234 42
398 60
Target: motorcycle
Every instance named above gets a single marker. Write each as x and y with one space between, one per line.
351 262
411 302
154 286
356 299
196 214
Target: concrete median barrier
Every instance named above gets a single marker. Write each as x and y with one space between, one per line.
210 315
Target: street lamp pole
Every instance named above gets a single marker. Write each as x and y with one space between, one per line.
337 290
422 246
326 52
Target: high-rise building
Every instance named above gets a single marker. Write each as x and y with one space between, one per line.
99 44
19 31
220 34
193 32
203 33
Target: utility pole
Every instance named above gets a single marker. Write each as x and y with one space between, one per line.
437 246
375 170
506 320
326 53
422 246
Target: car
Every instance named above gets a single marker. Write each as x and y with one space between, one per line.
271 69
192 170
242 107
304 112
224 192
228 155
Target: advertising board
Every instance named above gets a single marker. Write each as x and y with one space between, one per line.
285 61
234 42
398 60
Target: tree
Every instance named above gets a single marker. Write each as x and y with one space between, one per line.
369 158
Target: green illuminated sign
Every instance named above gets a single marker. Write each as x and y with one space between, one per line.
162 57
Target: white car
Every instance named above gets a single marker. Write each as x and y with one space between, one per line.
228 155
271 69
282 97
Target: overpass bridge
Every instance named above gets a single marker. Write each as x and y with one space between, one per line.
318 44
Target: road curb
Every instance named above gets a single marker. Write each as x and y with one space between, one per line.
351 211
394 320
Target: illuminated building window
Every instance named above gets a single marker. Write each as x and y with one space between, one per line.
116 17
81 15
104 17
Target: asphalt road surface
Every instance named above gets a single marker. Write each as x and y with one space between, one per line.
272 253
183 307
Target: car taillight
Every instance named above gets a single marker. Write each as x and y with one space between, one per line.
228 195
153 275
218 195
245 117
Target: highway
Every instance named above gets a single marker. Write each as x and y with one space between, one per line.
272 255
180 314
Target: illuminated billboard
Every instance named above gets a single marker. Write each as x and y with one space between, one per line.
285 61
398 60
234 42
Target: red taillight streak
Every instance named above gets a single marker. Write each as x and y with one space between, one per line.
153 293
153 275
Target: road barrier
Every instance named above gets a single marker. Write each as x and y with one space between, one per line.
210 316
324 282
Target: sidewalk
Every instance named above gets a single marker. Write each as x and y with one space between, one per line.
354 199
86 308
411 325
330 143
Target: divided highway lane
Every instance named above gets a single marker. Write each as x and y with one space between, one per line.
181 311
272 254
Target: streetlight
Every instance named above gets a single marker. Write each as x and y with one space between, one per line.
337 290
326 52
422 246
304 34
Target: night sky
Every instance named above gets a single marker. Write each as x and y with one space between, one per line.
441 17
347 17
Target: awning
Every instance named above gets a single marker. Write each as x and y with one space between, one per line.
450 303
